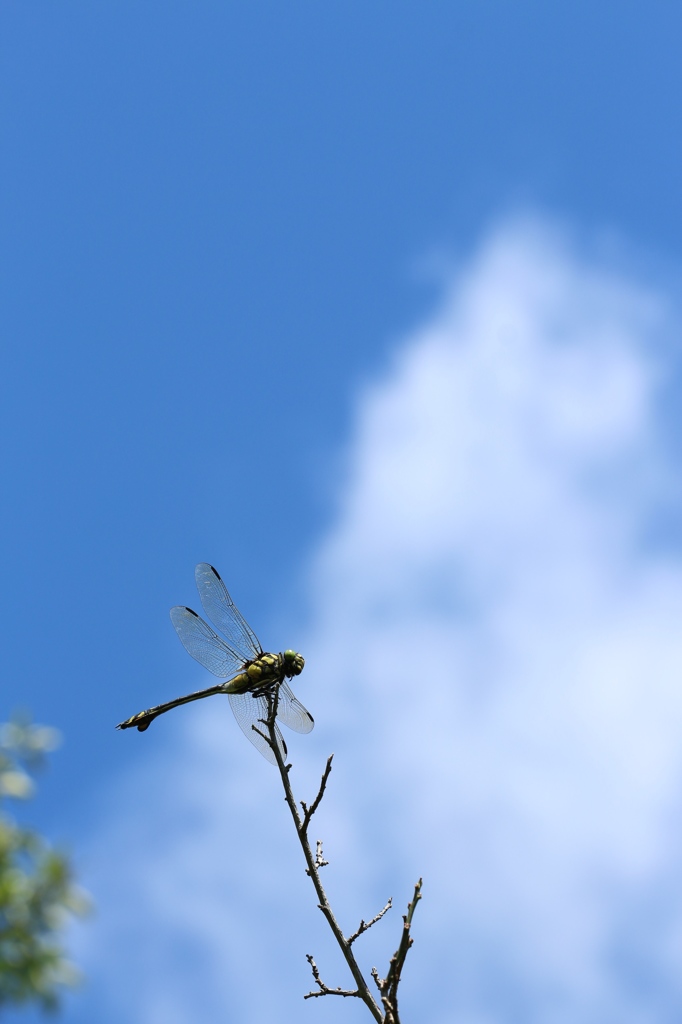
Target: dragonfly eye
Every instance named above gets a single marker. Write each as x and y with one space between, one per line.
294 662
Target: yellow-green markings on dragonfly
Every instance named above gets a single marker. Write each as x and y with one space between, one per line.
252 673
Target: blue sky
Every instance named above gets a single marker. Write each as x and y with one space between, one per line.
375 307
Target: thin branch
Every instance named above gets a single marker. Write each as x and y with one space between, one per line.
365 926
388 986
324 989
261 734
308 812
362 988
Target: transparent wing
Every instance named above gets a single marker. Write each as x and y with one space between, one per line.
248 709
291 711
222 610
204 645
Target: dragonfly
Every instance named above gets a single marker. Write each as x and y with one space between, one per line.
252 676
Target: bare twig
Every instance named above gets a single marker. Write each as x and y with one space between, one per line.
388 986
324 905
365 926
324 989
320 862
309 811
262 734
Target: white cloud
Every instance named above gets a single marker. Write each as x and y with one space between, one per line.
496 659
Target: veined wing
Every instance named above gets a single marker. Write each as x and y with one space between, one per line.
204 644
248 709
291 711
222 610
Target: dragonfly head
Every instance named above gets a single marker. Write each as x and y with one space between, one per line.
293 663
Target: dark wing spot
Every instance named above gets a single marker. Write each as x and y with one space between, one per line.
192 613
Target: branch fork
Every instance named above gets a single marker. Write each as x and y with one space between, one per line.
324 989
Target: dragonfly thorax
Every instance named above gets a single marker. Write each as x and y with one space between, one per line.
273 667
266 670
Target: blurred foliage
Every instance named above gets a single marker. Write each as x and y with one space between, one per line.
37 894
